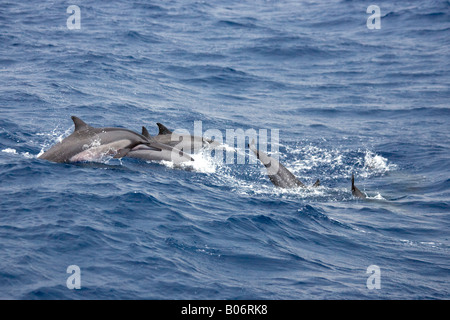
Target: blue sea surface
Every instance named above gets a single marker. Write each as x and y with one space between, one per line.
345 99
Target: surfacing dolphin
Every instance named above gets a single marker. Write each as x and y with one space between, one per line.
158 151
185 142
87 143
355 191
278 174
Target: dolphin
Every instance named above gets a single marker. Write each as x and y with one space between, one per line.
185 142
158 151
278 174
87 143
355 191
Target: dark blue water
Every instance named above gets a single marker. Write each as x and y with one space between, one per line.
345 99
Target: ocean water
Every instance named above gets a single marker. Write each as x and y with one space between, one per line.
344 98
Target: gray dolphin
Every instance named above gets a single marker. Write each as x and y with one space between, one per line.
185 142
355 191
278 174
158 151
87 143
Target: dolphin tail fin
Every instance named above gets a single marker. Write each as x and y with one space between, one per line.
163 129
316 184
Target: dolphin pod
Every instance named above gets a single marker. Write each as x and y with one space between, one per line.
87 143
158 151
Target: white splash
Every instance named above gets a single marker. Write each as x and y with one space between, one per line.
10 150
27 155
315 156
376 163
378 196
203 162
14 151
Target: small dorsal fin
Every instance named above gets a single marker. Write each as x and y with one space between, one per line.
79 124
317 183
355 191
145 132
163 129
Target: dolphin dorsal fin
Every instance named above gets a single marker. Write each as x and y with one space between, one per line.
145 132
317 183
163 129
79 124
147 135
353 181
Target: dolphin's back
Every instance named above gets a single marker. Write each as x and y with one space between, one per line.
63 150
278 174
284 178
